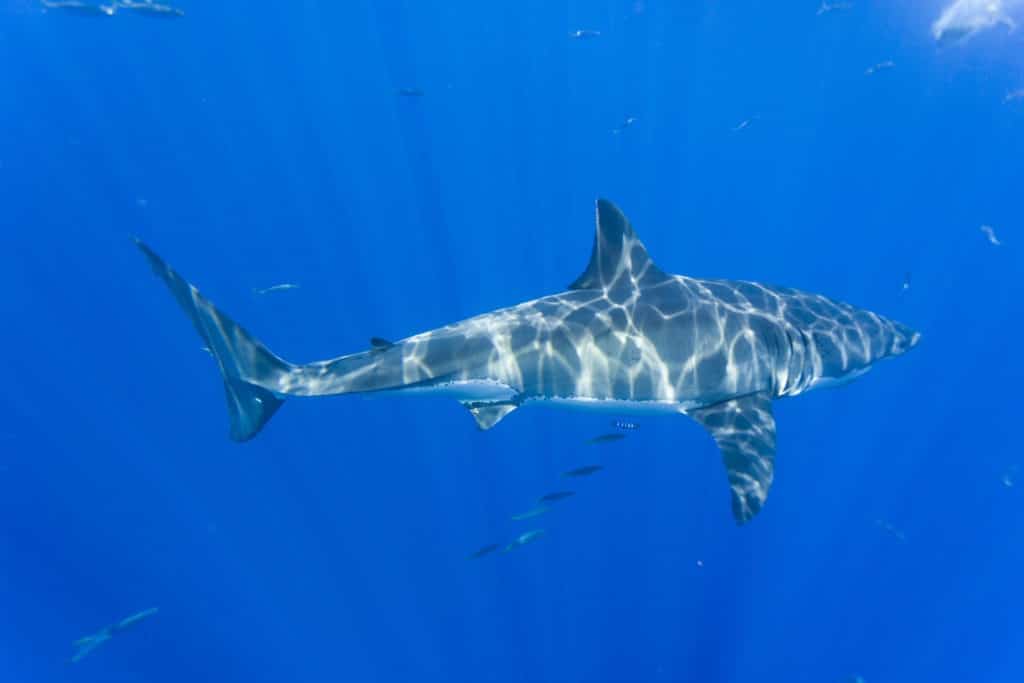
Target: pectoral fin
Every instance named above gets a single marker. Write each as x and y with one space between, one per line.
744 430
489 414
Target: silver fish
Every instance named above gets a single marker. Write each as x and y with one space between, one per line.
523 539
84 646
530 514
555 496
584 471
881 66
284 287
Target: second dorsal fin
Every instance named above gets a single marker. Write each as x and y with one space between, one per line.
619 258
489 414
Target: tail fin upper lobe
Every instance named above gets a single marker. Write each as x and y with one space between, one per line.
247 367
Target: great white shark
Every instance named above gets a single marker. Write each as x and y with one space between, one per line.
625 336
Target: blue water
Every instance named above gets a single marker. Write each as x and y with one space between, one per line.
257 143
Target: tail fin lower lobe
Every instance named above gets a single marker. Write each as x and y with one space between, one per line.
249 369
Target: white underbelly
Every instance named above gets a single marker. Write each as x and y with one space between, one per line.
830 382
486 391
612 405
469 390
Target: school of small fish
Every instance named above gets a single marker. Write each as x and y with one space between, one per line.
543 505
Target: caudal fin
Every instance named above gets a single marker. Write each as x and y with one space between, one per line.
247 367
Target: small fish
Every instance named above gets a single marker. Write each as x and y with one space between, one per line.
523 539
891 530
84 646
555 496
380 343
486 550
135 618
963 19
1013 96
625 425
887 64
530 514
827 7
745 123
991 235
1009 477
584 471
906 281
630 120
81 8
606 438
584 33
207 349
411 92
151 8
284 287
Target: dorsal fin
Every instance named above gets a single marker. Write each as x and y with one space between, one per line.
619 258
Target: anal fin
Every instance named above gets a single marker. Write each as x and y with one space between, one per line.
744 429
489 414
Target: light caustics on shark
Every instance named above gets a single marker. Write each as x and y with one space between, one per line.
625 336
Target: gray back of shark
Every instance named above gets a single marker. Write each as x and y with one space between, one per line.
625 336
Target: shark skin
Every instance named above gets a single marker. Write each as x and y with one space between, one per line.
625 336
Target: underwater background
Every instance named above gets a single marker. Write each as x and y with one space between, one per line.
257 143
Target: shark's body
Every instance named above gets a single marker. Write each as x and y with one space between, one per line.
625 336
